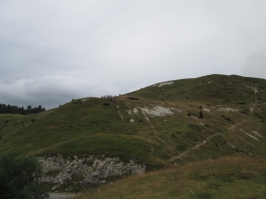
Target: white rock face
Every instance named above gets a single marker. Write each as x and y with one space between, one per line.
165 83
159 111
227 109
90 170
207 110
154 111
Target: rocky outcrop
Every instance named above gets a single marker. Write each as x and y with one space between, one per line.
85 171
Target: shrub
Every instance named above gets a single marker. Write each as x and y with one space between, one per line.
200 114
33 120
19 174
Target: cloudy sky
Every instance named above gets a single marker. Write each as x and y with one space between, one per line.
52 51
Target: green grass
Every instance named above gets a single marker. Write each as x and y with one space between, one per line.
223 178
209 89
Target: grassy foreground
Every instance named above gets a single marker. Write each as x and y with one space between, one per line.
236 178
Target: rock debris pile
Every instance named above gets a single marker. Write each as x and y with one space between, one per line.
88 170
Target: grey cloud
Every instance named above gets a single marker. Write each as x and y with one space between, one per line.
50 91
256 66
53 51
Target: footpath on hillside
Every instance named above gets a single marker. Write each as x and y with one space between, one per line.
61 195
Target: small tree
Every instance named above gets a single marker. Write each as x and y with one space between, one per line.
200 114
19 176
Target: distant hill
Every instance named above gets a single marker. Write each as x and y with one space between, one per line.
158 125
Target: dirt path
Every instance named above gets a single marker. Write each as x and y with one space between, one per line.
60 195
184 154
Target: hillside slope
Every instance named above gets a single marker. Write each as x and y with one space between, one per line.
158 125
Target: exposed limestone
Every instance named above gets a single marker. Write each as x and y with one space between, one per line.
176 110
86 171
165 83
254 89
252 137
85 99
154 111
134 110
157 111
206 110
258 134
148 120
227 109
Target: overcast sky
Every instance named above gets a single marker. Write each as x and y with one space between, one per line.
52 51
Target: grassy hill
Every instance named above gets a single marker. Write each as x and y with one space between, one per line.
157 125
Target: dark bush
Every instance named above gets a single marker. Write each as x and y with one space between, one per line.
181 147
200 114
19 176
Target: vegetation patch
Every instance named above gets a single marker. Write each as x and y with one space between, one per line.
195 127
132 98
124 147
